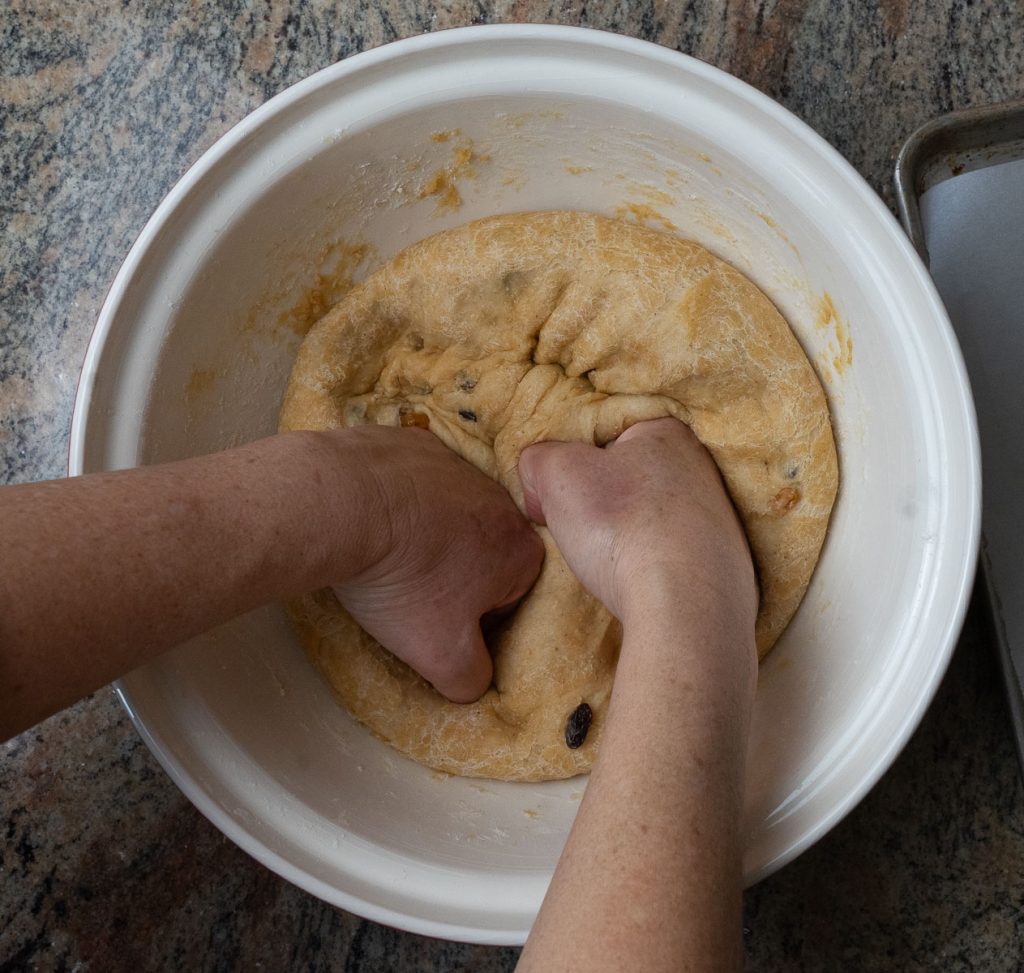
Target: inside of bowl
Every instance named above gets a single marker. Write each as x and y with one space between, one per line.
346 177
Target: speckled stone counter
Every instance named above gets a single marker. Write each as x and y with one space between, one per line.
103 105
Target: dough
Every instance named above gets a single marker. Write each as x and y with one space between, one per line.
568 326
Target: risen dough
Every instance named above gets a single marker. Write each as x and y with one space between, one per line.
563 326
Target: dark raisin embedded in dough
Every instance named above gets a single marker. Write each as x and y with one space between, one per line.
464 382
513 282
577 725
790 470
355 413
415 340
467 415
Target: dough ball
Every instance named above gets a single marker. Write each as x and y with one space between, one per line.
568 326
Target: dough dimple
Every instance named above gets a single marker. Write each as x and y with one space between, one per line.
566 326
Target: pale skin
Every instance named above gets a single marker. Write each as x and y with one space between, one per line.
650 877
104 572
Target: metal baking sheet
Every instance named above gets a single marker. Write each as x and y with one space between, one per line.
960 184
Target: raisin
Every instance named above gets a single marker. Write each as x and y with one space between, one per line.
418 420
790 470
415 341
464 382
577 725
513 282
355 413
785 500
467 415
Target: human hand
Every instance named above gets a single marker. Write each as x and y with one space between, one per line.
648 508
443 545
647 526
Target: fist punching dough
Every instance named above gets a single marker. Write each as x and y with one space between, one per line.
564 326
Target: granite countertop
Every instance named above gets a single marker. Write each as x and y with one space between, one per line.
103 105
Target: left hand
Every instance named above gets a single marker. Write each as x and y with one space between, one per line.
447 546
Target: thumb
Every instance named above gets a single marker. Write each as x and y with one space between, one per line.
458 667
533 464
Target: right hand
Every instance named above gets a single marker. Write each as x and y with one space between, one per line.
648 509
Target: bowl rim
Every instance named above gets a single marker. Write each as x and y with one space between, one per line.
591 39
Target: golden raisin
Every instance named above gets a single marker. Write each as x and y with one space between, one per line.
785 500
418 420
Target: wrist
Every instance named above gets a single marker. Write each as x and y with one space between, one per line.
339 522
678 587
687 618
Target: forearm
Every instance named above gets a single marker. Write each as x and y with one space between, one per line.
100 573
650 877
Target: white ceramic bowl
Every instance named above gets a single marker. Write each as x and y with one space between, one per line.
190 355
